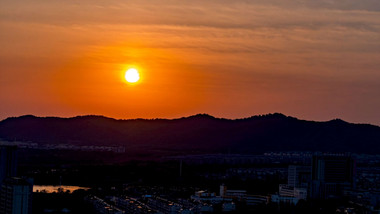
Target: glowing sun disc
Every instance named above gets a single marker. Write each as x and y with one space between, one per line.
132 75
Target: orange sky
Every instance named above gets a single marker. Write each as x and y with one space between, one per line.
310 59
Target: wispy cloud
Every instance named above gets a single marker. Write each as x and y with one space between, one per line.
315 52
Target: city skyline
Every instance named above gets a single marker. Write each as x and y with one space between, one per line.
306 59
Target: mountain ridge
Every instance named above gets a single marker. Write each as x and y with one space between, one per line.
200 133
205 115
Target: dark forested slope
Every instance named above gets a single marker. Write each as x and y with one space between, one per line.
199 133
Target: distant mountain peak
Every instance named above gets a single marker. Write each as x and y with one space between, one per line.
92 117
271 116
338 120
275 115
203 115
197 133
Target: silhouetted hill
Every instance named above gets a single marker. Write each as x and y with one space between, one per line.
200 133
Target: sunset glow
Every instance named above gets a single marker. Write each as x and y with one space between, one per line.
233 59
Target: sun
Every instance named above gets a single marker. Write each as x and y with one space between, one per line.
132 75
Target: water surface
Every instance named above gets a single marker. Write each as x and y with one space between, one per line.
51 188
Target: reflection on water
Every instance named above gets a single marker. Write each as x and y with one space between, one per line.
51 189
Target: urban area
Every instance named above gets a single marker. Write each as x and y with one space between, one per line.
273 182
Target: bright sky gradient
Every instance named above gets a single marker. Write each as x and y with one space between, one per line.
312 59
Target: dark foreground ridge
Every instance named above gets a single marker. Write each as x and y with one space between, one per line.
200 133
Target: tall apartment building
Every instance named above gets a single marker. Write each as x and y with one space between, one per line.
8 162
16 196
297 186
331 173
15 193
